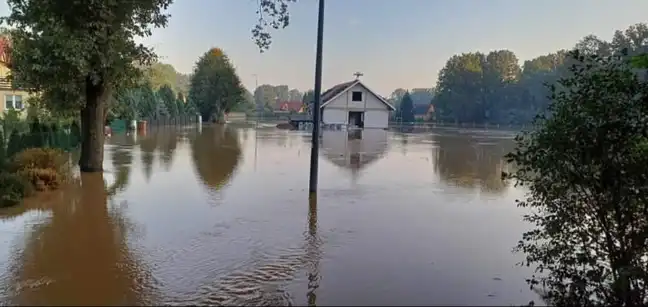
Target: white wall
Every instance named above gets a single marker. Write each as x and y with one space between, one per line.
376 119
369 101
376 112
335 116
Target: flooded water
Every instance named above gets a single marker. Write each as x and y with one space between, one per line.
221 216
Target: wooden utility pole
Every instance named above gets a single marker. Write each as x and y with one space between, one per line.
312 188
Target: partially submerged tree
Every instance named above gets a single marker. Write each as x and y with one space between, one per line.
586 170
215 87
78 53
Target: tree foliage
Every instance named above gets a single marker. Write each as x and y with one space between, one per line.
273 15
168 99
160 74
79 53
66 47
493 88
406 109
586 167
266 96
143 102
215 86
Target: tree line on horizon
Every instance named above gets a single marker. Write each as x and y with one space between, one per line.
475 87
493 88
80 63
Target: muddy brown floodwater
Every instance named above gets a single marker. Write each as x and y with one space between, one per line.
221 216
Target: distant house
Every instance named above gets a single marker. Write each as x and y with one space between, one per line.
12 98
424 112
290 106
354 105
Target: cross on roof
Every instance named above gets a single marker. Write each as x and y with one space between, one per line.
358 75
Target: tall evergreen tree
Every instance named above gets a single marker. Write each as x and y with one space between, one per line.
406 109
168 98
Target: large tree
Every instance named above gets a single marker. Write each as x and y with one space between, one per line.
295 95
459 88
215 87
492 88
161 74
78 53
396 96
585 169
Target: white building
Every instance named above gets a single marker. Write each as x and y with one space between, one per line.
354 105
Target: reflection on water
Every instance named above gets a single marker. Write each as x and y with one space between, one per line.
216 154
79 256
313 253
389 226
472 160
354 150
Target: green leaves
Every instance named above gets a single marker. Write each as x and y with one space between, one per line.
160 74
475 87
640 61
144 102
58 47
585 169
168 98
492 88
273 15
215 87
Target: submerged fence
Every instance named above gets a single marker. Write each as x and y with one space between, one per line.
440 124
121 125
172 121
20 137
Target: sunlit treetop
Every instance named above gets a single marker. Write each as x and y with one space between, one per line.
216 51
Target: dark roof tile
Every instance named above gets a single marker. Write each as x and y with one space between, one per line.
289 105
333 91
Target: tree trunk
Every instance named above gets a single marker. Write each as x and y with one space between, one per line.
93 116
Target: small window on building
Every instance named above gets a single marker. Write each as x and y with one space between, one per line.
13 102
18 104
356 96
8 102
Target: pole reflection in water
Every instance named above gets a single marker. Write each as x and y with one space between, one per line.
256 144
312 252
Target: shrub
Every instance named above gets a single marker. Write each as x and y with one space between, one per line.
585 169
43 168
13 188
41 179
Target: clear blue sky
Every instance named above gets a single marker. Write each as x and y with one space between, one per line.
394 43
